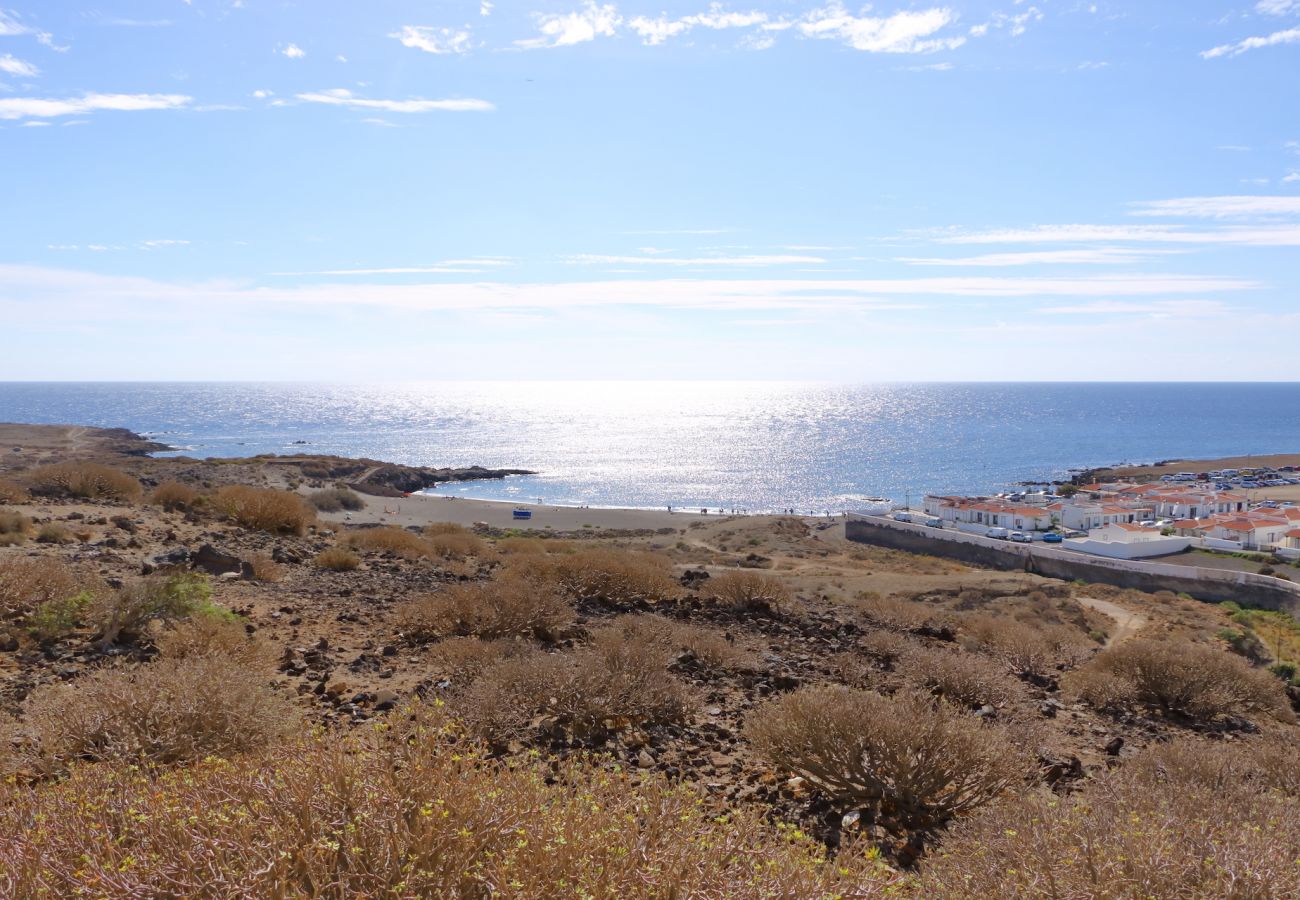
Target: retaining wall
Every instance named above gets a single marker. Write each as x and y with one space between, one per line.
1214 585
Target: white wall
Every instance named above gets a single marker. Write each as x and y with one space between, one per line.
1139 550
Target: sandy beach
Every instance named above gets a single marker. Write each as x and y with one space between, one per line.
426 509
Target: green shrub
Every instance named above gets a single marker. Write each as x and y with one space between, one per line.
127 613
53 619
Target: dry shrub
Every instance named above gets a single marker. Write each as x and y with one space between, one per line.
1184 679
435 528
53 533
1181 821
402 813
900 614
612 577
213 636
452 545
1028 651
693 647
13 528
509 606
522 545
463 659
173 496
960 677
26 583
12 492
264 509
616 682
265 568
170 711
747 592
336 500
388 539
921 762
84 480
337 559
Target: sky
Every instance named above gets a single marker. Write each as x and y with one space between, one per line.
987 190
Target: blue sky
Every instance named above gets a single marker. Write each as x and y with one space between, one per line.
984 190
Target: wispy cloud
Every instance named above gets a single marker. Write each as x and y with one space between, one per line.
431 39
1159 308
1084 257
11 65
344 97
21 285
1289 36
567 29
1226 207
656 31
736 261
903 32
12 26
1277 7
443 267
45 108
1259 236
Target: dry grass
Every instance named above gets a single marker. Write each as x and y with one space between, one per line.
509 606
84 480
213 636
615 683
522 545
692 646
336 500
13 528
610 577
448 541
53 533
1182 821
170 711
388 539
747 592
921 762
960 677
12 492
337 559
1182 679
173 496
26 583
265 568
899 614
264 509
463 659
403 813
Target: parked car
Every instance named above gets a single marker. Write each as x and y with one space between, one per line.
902 517
1076 534
1020 537
934 522
999 533
1052 538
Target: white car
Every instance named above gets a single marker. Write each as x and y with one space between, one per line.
999 533
902 517
1020 537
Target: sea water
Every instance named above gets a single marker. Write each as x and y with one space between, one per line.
755 446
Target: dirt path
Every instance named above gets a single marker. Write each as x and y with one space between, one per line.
1127 622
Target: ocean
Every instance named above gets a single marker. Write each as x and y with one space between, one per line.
755 446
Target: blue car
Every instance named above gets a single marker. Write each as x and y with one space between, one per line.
1051 538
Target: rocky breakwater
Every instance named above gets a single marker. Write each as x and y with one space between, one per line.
394 480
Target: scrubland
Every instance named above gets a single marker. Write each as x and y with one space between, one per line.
745 707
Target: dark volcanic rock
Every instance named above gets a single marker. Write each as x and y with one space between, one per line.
211 560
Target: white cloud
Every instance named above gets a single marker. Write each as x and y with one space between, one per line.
903 32
42 108
1228 207
773 260
1085 257
165 242
1291 178
47 286
344 97
1158 308
293 51
434 40
567 29
11 27
262 95
656 31
1277 7
1290 36
11 65
35 123
1258 236
485 8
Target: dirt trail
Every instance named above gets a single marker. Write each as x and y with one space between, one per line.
1127 622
